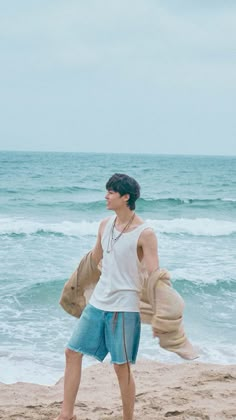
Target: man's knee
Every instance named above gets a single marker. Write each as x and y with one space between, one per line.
72 355
122 369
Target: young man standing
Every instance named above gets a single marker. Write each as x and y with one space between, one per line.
111 320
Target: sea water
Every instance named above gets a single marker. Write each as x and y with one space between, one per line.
50 208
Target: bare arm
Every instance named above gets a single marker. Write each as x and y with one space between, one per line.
97 251
148 242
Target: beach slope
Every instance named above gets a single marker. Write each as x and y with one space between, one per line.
190 390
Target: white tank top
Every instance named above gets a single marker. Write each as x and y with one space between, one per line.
119 285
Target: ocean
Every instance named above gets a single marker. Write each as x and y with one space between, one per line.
50 208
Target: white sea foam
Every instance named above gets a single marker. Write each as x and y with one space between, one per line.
210 275
28 227
196 227
229 199
45 365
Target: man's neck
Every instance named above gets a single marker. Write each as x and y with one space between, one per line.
123 216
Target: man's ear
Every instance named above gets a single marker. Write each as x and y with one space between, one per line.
126 197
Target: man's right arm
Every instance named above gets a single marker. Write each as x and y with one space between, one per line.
97 252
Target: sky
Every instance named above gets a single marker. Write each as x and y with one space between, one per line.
143 76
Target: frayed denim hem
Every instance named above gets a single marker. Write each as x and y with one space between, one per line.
84 353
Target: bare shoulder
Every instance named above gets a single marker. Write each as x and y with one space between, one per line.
103 224
147 235
104 221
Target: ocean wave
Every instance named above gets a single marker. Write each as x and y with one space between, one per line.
43 293
67 189
82 206
205 284
232 200
204 275
179 226
18 226
52 189
7 191
48 292
195 227
146 204
189 283
88 199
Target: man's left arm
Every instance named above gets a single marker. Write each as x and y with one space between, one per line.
148 243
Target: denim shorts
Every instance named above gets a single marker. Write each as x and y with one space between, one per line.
98 333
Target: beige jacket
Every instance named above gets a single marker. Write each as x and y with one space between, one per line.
160 305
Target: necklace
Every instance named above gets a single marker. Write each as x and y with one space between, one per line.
112 239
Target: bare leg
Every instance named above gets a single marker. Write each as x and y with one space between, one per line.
127 389
71 383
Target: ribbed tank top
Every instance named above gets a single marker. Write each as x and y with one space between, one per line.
119 285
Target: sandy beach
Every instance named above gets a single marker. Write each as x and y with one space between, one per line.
189 390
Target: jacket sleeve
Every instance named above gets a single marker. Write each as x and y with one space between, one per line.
74 297
167 308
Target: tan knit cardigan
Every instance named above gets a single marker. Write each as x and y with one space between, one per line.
160 305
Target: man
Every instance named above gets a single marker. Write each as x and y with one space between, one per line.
111 320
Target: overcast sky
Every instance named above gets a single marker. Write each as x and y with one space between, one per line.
153 76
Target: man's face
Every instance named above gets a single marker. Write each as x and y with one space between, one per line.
115 201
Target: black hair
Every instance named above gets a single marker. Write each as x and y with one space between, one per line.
124 184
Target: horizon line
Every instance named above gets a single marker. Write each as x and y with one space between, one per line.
118 153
